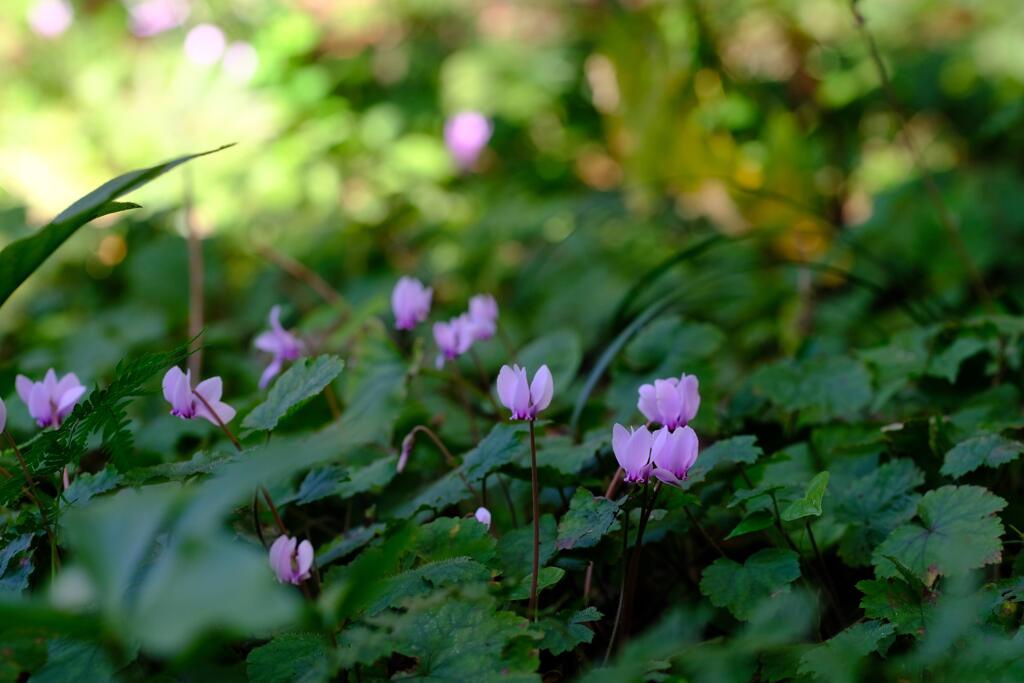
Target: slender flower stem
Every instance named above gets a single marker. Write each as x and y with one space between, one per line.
778 524
448 457
273 510
829 585
622 585
29 490
195 277
536 522
609 493
634 563
220 422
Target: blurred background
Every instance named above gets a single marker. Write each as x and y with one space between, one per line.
577 159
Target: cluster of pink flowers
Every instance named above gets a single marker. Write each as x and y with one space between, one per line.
669 452
410 304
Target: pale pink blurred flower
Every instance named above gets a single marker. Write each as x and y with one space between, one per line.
204 44
278 341
483 515
241 61
453 338
291 560
3 415
466 134
410 302
50 18
483 311
152 17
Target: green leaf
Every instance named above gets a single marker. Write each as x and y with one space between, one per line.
989 450
546 577
449 537
347 543
74 660
958 532
735 450
589 518
515 548
567 630
459 640
290 658
839 659
563 455
87 485
810 504
20 259
894 601
874 505
647 653
415 582
299 383
14 571
755 521
946 363
820 389
740 587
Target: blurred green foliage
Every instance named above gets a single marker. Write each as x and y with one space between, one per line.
725 189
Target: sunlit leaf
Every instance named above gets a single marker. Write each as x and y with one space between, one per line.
299 383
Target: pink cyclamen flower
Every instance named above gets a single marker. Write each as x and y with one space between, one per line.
410 302
673 454
50 18
152 17
291 560
278 341
187 403
241 61
632 448
523 398
205 44
454 338
483 311
465 135
3 415
483 515
670 402
50 401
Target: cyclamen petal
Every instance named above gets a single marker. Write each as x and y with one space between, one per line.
483 515
632 449
185 401
291 560
3 415
671 402
410 302
278 341
50 401
674 453
524 399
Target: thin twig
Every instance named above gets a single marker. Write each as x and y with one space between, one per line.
536 522
256 519
300 272
622 584
449 458
931 187
195 277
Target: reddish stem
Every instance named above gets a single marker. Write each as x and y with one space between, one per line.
536 522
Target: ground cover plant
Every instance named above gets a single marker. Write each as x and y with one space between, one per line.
691 352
